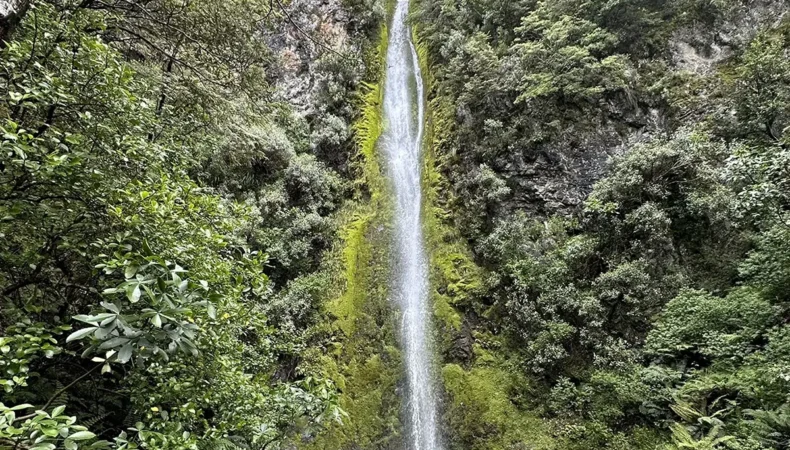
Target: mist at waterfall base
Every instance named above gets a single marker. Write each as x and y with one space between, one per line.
401 143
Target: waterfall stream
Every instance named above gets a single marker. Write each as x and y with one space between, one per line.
403 114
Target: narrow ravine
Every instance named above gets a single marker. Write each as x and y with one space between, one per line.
403 116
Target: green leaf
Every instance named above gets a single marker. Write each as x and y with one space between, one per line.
88 351
79 334
44 446
82 436
131 270
125 353
212 311
111 307
21 407
108 321
86 319
133 292
58 411
114 342
101 316
103 332
146 248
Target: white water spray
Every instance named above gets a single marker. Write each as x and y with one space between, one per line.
404 112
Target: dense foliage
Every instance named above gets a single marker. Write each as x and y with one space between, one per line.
647 309
164 212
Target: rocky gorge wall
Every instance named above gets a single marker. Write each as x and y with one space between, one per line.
557 176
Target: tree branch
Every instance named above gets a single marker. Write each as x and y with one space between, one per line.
60 391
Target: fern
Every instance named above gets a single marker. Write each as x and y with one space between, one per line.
229 443
686 411
92 420
131 419
773 426
683 435
62 397
682 439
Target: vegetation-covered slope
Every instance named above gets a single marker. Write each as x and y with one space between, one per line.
166 216
638 303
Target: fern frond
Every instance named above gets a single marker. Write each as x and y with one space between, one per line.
230 443
686 411
91 421
62 399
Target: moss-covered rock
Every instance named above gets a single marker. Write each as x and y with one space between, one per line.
481 414
366 364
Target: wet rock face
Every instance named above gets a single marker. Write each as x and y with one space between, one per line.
311 29
315 31
557 177
9 6
461 349
699 48
320 44
11 12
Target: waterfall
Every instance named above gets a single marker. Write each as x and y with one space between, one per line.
403 114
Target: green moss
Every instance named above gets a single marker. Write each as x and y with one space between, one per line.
372 404
455 278
366 364
482 414
355 250
367 130
371 197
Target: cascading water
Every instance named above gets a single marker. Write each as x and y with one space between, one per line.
401 144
